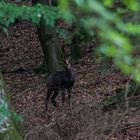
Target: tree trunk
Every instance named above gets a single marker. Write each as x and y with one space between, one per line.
50 43
8 130
50 46
75 49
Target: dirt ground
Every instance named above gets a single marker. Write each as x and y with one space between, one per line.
21 49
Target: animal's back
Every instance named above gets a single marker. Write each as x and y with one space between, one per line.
61 79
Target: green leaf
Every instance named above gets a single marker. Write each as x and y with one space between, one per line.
132 4
108 2
108 50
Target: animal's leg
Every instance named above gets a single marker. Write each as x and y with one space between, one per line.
54 96
63 96
48 97
69 99
69 96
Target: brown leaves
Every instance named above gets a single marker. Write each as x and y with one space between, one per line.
21 48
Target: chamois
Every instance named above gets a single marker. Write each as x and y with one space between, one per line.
60 81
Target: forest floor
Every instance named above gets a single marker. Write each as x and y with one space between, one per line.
21 49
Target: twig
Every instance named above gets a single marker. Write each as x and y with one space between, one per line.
124 127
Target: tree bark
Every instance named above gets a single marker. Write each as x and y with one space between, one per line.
51 47
8 130
50 43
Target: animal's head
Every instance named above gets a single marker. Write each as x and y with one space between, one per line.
67 62
66 59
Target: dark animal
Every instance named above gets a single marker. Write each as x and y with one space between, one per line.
60 81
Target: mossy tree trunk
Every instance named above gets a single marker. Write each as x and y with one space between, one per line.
8 130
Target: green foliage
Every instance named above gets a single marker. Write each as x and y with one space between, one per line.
113 32
130 4
10 12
